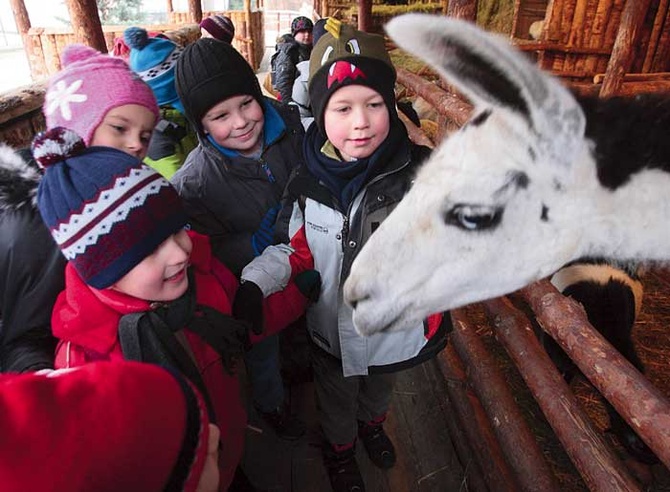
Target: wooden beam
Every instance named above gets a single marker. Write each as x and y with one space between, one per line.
86 23
463 9
364 15
195 11
170 7
632 19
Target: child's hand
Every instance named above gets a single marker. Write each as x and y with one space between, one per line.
248 306
309 284
209 478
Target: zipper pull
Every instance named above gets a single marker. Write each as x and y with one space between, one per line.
268 172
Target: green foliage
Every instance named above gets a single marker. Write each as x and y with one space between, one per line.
120 11
496 15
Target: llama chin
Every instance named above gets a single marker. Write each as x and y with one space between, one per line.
536 179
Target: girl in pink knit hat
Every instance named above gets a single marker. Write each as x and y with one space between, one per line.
102 100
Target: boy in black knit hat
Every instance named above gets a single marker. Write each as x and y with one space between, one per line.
233 181
297 49
359 162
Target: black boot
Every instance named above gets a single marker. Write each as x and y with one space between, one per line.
378 445
342 468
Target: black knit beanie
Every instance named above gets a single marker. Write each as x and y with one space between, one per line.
344 56
210 71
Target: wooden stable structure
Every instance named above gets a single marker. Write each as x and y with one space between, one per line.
601 47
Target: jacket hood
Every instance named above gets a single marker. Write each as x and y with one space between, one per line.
19 178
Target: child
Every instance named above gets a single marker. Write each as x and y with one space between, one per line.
139 286
161 439
218 27
233 181
289 54
359 164
154 60
99 97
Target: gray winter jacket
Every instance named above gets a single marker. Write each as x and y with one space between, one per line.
327 238
226 196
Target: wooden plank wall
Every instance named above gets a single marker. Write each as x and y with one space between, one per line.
578 36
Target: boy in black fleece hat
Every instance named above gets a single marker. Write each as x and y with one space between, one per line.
233 181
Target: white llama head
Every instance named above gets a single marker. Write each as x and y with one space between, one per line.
490 211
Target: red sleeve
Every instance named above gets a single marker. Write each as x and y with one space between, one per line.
301 259
280 310
103 427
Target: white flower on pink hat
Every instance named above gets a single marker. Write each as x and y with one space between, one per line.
61 96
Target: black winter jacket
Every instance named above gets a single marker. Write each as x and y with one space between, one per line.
288 56
31 269
227 197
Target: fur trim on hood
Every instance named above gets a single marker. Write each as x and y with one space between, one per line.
18 180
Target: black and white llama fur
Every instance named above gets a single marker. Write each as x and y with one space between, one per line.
534 180
611 294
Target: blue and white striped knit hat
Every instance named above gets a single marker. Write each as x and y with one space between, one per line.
106 210
154 60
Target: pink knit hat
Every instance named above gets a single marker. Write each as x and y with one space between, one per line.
89 85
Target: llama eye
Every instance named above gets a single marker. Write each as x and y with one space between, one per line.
473 217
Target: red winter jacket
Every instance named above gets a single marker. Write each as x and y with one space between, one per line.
104 427
85 320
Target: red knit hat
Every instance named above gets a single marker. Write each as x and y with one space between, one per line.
220 27
104 426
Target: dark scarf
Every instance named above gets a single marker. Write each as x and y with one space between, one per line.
150 336
345 179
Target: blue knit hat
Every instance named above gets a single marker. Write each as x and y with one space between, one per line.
106 210
154 60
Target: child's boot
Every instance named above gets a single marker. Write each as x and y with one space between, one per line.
343 471
377 443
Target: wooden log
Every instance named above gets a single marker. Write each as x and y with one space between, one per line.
86 23
414 132
636 77
195 11
19 102
463 9
529 467
594 459
170 7
524 45
620 62
644 407
444 103
659 19
661 61
473 423
598 26
365 15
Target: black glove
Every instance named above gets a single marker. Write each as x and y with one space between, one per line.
309 284
248 306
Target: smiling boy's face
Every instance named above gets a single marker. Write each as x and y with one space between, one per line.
161 276
236 124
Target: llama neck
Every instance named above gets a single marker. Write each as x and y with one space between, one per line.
631 221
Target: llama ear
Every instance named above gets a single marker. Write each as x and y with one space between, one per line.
490 72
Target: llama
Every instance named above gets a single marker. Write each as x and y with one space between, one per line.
534 180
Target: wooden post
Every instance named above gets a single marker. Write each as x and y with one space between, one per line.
86 23
250 33
22 20
620 62
170 7
195 11
463 9
364 15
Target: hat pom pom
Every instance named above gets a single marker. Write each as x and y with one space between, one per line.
77 52
56 145
136 37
